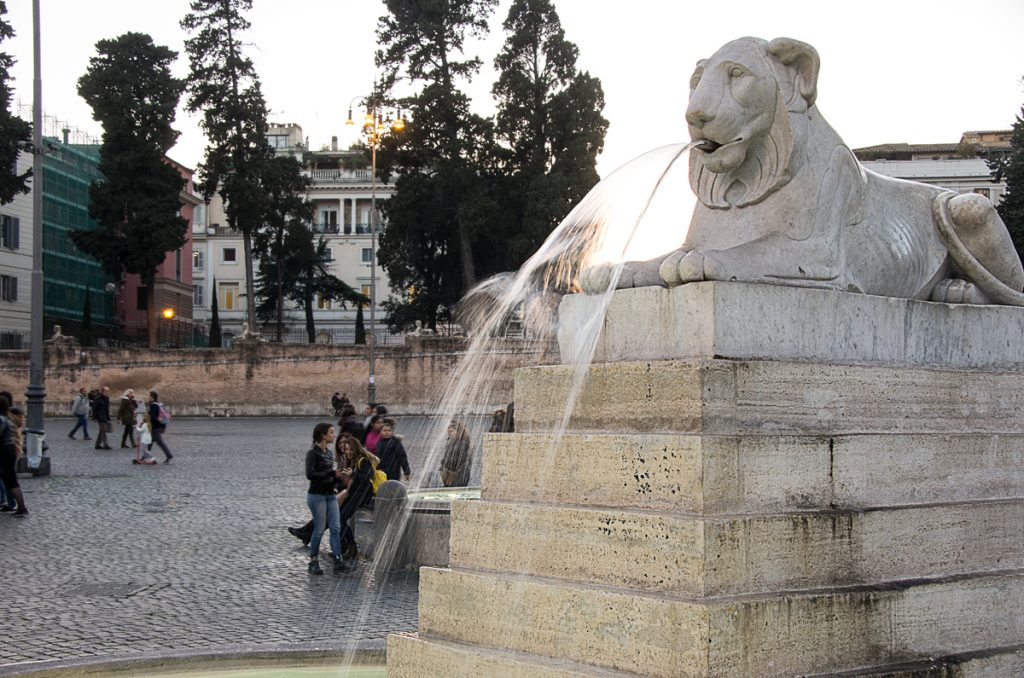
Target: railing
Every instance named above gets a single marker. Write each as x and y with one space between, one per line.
326 175
345 229
332 337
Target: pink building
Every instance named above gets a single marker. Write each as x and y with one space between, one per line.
173 280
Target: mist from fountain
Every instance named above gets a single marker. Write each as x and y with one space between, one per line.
627 216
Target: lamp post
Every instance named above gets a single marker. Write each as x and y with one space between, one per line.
375 127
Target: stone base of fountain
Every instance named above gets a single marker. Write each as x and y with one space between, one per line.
753 506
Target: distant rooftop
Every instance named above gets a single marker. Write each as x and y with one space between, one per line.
971 145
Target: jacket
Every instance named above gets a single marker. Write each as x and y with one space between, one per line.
393 459
320 471
80 405
101 408
126 412
154 417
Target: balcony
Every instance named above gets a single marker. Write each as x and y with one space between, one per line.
326 176
346 229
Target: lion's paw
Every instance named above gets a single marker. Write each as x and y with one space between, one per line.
596 279
682 266
957 291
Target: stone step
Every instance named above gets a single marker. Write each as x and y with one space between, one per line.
760 397
413 656
695 556
775 635
751 474
716 319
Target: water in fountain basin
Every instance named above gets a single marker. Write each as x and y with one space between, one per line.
639 211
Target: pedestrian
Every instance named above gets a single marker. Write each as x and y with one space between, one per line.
360 466
159 417
9 459
322 500
373 433
457 460
8 503
393 459
497 422
126 415
80 410
336 403
144 434
101 413
368 413
350 423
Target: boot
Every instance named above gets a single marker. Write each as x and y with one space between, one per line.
314 566
341 566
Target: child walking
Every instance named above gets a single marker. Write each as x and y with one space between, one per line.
144 437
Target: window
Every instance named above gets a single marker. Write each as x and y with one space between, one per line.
197 261
982 191
197 295
10 232
328 254
367 255
8 288
177 265
228 296
141 298
228 255
365 289
323 304
277 141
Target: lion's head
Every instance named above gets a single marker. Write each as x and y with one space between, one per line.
740 104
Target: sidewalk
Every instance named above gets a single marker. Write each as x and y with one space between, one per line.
125 561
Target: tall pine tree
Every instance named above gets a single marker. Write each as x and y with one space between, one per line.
549 120
1010 168
215 339
15 133
133 95
440 154
223 85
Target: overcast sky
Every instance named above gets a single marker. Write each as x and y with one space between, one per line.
891 71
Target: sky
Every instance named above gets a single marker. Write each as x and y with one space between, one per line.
912 71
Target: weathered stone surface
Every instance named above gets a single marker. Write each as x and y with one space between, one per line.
713 474
410 656
760 397
748 321
694 556
775 635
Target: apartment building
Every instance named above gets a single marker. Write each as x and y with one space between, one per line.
342 192
16 266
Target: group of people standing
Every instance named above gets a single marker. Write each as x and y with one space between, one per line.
144 421
12 448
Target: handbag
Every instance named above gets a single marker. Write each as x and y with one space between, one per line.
377 479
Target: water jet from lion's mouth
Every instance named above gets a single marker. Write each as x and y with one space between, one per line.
707 145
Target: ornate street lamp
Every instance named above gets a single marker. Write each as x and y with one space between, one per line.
375 126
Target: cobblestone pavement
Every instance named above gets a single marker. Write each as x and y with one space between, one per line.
119 560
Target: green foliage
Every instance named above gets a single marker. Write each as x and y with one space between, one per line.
549 121
360 327
15 133
224 86
133 95
1010 168
215 340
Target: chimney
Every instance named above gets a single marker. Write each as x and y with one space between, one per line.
334 143
67 134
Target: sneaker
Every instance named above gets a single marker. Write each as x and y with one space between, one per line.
72 437
168 459
314 567
20 513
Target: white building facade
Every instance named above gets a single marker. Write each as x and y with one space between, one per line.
342 192
16 266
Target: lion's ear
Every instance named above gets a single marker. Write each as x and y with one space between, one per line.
804 61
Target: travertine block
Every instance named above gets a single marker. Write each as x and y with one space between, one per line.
695 556
745 321
744 474
776 635
760 397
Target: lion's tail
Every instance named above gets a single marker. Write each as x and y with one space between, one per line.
994 288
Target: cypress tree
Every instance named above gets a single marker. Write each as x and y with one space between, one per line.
215 338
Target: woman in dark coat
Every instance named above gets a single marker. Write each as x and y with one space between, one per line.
458 458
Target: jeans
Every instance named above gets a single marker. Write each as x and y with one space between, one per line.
158 438
324 508
6 498
83 422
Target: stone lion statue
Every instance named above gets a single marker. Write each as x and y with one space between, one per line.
782 200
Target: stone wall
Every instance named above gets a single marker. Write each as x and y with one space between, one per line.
270 379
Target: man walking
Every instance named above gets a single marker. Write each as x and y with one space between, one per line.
158 418
80 408
101 411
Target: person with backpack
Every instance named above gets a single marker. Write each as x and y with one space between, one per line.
80 409
159 417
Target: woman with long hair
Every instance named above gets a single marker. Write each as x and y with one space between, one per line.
321 498
361 465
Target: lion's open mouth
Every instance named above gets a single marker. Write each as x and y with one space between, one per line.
709 146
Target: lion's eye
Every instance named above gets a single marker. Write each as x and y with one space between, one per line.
736 72
695 78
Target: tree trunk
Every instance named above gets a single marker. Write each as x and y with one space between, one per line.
466 257
308 303
280 297
151 315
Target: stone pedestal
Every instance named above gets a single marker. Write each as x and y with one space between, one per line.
803 483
